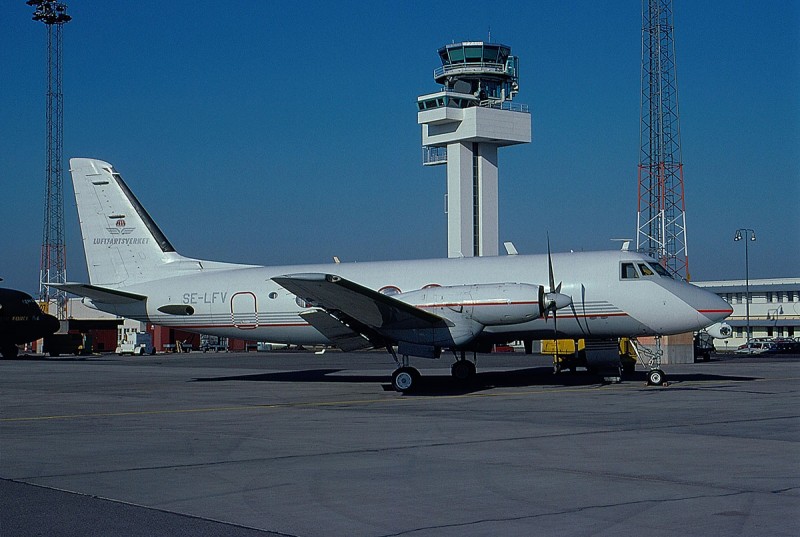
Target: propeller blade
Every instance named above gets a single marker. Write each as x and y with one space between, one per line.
555 327
550 265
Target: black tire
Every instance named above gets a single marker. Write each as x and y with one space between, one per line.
656 377
463 370
405 379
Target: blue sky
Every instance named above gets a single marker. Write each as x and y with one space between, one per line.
274 133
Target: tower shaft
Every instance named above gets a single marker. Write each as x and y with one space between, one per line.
661 217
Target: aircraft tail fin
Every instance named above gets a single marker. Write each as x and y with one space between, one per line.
122 243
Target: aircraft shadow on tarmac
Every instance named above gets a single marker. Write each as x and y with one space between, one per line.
40 358
446 385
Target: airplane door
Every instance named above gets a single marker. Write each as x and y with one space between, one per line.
244 311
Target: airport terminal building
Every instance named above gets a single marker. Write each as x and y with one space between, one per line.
774 308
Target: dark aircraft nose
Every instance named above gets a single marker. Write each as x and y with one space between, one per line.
50 324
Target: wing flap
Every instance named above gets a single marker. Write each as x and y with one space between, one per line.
340 334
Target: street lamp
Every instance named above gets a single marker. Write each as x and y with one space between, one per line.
748 235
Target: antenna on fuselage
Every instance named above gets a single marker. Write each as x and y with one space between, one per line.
626 244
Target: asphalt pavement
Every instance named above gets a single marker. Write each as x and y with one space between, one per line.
319 445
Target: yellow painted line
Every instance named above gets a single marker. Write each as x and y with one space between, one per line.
309 404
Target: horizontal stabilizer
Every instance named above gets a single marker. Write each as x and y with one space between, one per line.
99 294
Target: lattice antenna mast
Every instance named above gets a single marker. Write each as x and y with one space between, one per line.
53 267
661 217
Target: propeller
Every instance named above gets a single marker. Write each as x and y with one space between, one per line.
554 300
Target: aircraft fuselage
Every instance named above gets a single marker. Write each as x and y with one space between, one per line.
245 302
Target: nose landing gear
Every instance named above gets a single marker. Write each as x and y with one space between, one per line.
655 376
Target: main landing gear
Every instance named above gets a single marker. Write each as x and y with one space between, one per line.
463 370
406 378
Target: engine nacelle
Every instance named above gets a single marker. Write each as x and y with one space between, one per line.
720 330
489 304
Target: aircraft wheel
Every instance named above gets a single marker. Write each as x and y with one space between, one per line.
656 377
10 352
404 379
463 370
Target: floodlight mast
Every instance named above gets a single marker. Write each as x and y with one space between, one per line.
53 266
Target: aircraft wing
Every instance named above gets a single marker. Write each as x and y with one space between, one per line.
99 294
365 311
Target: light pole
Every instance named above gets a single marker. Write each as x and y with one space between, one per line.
748 235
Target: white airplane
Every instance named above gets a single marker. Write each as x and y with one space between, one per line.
420 307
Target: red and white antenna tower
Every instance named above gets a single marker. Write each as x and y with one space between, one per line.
661 217
53 267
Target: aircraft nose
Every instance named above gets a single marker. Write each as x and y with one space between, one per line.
51 324
712 307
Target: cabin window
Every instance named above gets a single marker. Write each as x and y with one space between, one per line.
629 271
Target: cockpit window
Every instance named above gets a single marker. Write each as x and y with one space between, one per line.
646 270
629 271
661 270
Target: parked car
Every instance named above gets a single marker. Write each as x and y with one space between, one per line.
757 347
787 345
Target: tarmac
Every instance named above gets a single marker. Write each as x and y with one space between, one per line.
298 444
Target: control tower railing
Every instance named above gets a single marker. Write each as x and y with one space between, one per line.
450 99
469 68
506 105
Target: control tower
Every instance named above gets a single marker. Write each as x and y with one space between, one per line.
463 124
